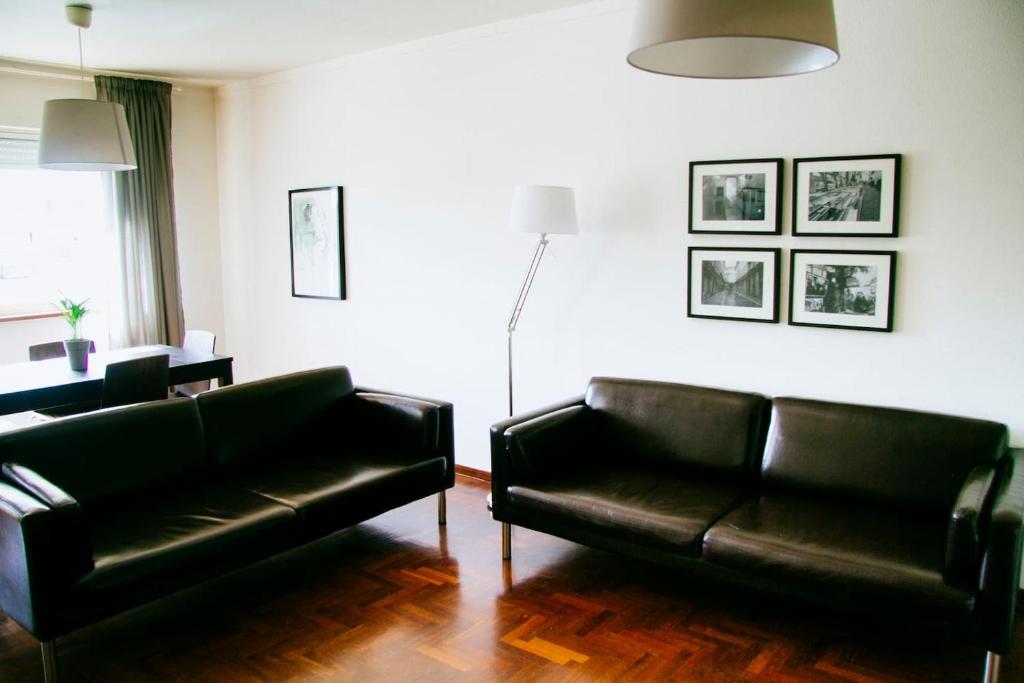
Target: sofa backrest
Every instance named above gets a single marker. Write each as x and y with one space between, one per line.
99 455
903 457
678 424
258 419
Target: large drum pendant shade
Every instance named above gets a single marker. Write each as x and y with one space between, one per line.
734 38
85 135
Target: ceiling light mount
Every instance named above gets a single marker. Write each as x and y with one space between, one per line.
734 38
79 14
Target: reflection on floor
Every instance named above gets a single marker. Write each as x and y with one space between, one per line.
398 599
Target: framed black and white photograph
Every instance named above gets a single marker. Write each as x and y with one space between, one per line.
736 197
734 284
852 290
316 225
847 196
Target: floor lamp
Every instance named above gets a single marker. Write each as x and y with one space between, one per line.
544 210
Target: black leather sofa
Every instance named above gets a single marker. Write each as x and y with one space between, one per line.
103 512
875 510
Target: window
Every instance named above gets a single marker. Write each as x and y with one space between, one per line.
54 231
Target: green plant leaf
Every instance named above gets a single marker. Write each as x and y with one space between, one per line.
73 312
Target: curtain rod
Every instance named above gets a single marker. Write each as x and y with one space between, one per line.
77 77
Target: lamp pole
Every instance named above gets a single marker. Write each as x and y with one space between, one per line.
517 310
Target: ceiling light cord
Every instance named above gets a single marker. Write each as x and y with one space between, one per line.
81 62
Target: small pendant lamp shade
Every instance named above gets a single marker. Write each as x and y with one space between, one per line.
85 135
544 209
734 38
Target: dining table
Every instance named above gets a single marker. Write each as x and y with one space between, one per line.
33 385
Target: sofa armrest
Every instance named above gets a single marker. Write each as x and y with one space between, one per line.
502 475
966 527
545 444
1000 574
66 528
411 424
42 551
37 486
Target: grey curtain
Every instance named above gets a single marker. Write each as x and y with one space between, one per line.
151 310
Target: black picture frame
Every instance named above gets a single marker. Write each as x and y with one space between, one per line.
836 202
706 307
766 209
874 321
317 265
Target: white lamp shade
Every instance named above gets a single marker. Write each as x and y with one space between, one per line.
734 38
85 135
544 209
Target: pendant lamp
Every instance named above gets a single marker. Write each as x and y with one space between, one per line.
83 134
734 38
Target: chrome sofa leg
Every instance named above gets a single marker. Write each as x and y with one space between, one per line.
442 509
506 541
49 649
992 663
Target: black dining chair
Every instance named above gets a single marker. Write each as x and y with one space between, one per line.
53 349
135 381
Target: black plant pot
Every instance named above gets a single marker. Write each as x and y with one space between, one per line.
78 353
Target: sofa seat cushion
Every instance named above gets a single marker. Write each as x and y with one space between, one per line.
642 507
864 557
179 538
335 490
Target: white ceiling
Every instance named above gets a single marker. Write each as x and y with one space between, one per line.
223 40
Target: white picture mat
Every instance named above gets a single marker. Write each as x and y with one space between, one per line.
771 192
879 320
316 262
884 224
765 312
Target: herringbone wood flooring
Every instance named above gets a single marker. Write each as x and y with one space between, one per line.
398 599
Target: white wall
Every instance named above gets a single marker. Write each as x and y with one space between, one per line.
194 154
429 138
196 205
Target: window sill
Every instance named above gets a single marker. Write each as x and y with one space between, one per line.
29 316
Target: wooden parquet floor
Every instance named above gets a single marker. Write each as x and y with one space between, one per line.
400 599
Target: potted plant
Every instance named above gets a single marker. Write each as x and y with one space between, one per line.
76 348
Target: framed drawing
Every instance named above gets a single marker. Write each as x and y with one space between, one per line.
317 238
736 197
847 196
852 290
734 283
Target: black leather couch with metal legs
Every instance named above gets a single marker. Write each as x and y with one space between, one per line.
874 510
106 511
